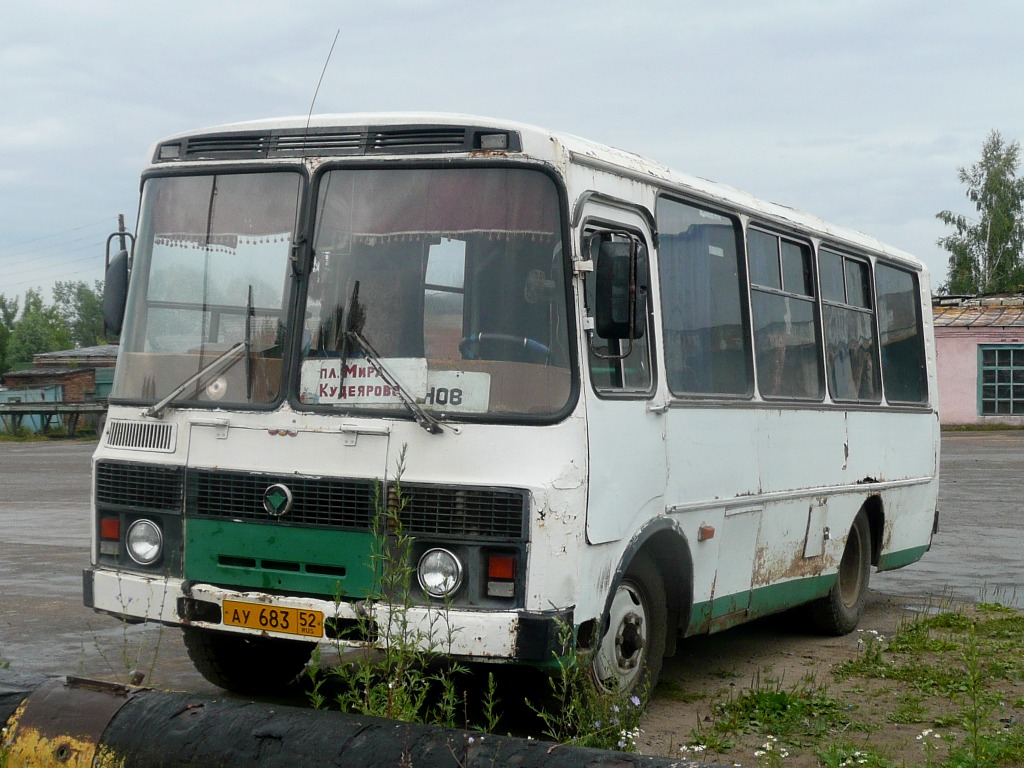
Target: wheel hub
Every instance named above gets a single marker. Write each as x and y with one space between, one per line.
629 641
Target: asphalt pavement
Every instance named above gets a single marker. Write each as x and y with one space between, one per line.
44 530
978 553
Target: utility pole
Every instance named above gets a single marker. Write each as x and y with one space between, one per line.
121 230
121 234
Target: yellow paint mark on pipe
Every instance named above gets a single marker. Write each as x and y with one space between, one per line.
23 746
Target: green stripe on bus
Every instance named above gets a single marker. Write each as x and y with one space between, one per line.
891 560
721 613
274 557
779 597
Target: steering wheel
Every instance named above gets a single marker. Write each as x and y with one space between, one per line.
469 346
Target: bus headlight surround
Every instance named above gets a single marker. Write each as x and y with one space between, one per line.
439 573
144 542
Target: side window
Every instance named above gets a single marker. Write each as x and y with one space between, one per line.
618 366
704 312
851 350
900 335
786 350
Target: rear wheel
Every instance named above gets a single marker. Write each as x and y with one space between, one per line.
839 612
629 657
246 664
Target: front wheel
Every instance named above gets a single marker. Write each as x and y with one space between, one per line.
839 612
246 664
629 657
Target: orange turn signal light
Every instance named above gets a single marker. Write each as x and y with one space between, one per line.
501 567
110 528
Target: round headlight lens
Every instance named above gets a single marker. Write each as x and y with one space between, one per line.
439 572
145 542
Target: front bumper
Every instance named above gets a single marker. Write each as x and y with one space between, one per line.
471 634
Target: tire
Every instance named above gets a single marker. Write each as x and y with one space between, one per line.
246 664
629 656
839 612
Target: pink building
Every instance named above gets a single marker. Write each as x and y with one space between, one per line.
979 344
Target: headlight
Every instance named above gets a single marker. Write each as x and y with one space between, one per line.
439 572
145 542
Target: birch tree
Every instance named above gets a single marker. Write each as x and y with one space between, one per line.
985 251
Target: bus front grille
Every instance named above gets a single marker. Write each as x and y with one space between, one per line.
322 502
136 487
337 503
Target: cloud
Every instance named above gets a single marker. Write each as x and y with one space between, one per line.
857 110
40 132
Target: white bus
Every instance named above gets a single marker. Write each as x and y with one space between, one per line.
631 402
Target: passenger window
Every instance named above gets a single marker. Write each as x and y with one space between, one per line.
833 284
851 350
703 298
858 286
901 336
786 349
763 253
797 276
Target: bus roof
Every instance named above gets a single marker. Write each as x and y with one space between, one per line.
543 145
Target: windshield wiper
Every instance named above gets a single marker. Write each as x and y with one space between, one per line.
352 325
424 419
221 361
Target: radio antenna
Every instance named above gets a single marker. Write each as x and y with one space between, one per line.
300 239
319 82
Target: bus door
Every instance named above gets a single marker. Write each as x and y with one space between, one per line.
626 437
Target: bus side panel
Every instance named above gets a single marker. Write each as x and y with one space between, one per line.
713 459
767 497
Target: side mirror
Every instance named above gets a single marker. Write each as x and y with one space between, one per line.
620 289
115 294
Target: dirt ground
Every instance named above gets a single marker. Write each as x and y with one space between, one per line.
773 652
44 628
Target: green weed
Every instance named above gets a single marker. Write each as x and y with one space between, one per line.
909 710
579 713
957 668
845 755
408 676
798 714
407 673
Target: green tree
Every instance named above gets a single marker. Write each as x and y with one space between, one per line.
81 308
985 253
8 311
39 329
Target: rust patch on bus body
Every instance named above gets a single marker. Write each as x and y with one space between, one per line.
771 567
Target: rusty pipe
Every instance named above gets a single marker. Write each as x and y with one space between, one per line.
71 723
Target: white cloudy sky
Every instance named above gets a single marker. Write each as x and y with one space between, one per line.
858 111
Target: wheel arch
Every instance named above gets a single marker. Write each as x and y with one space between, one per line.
665 544
875 512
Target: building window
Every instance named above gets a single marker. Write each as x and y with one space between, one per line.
1001 377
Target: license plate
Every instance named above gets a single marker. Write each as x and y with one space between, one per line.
274 618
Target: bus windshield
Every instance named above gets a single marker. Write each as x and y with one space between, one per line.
450 280
210 273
